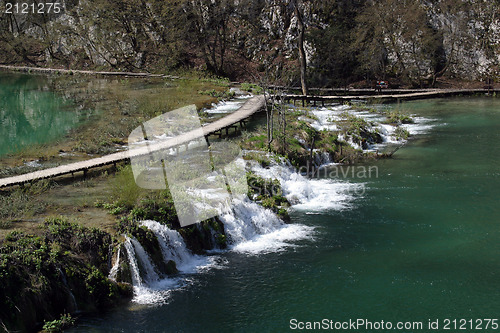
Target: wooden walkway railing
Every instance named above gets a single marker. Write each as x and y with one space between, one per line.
86 72
384 97
252 106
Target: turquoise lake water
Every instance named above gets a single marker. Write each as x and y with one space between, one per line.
31 113
422 243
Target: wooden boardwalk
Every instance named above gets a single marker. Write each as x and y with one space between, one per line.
250 107
78 71
383 97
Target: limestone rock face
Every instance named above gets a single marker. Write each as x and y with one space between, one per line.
224 35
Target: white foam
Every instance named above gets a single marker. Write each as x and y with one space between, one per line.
174 248
33 164
253 229
276 241
310 194
149 287
421 125
227 106
328 116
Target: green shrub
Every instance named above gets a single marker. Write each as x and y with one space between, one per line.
401 133
359 129
220 94
59 325
251 87
397 117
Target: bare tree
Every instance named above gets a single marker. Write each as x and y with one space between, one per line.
275 82
300 44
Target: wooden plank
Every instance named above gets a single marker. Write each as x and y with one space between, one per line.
408 96
77 71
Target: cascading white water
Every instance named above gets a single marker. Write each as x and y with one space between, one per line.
133 265
149 273
310 194
114 270
174 248
253 229
249 227
149 288
227 106
248 220
326 119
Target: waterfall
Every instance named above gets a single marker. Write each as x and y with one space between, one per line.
141 267
174 248
321 158
132 261
253 229
248 220
149 288
310 194
114 270
149 272
249 227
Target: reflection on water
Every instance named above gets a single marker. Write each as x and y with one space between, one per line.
30 113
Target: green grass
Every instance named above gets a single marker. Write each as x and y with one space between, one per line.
251 87
23 202
401 133
398 117
32 268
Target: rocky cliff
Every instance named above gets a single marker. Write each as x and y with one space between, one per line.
416 41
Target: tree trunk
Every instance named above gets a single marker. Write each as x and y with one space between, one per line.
302 53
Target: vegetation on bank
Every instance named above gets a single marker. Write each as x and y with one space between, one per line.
359 130
22 203
268 193
60 268
294 138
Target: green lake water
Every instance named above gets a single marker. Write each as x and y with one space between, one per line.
423 242
31 113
